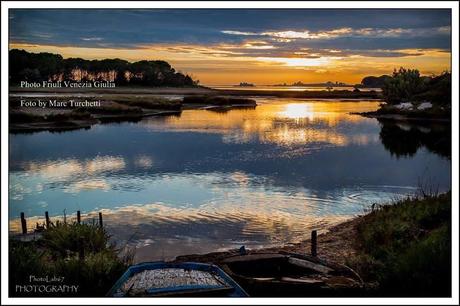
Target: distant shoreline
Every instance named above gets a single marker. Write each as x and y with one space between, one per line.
321 94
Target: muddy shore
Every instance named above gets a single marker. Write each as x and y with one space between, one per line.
335 245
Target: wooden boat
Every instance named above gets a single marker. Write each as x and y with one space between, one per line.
159 279
275 274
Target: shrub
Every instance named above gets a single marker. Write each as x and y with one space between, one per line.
402 86
406 85
81 253
408 247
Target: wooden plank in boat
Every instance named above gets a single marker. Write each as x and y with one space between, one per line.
264 279
302 280
170 278
253 257
309 265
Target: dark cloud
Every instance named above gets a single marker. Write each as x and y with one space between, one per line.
134 28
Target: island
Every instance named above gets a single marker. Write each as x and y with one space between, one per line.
409 96
244 84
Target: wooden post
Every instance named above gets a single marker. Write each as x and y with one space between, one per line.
100 220
314 242
23 224
81 249
78 217
47 220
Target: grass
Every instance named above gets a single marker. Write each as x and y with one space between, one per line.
406 247
80 253
147 102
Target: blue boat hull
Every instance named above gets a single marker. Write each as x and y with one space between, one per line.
196 290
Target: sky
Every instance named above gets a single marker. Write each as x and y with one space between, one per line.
240 45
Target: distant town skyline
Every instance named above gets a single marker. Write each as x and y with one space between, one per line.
255 46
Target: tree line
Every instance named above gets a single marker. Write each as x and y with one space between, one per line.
407 85
44 66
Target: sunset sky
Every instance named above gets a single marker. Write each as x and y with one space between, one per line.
257 46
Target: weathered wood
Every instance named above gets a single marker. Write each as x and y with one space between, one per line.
23 223
78 217
47 220
171 277
100 220
309 265
81 249
302 280
254 257
314 243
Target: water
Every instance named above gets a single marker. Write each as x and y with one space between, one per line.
287 88
212 180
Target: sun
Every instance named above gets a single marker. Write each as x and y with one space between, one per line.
297 111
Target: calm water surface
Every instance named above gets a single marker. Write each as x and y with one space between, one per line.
210 180
287 88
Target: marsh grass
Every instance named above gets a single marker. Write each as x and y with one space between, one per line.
147 102
406 247
81 253
218 100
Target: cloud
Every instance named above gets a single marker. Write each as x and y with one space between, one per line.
270 49
91 38
345 32
209 27
240 33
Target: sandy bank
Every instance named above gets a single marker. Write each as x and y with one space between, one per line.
335 245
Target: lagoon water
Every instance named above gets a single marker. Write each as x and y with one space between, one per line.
288 88
210 180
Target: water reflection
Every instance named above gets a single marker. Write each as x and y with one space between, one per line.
61 169
208 180
288 123
405 139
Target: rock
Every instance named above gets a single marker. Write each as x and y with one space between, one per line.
425 105
405 106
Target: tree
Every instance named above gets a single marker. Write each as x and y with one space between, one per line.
374 82
438 90
46 66
402 86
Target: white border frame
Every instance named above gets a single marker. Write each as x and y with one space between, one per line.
453 5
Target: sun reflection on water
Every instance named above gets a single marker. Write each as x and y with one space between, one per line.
284 123
298 111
